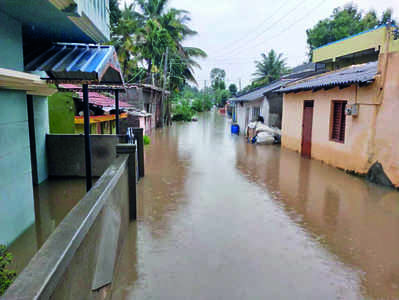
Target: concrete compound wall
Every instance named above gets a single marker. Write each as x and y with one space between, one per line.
66 154
16 191
78 259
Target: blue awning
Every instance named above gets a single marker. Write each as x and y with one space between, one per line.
78 63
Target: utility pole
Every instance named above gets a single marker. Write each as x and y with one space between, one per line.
165 70
239 83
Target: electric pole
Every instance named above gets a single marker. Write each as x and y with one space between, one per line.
165 70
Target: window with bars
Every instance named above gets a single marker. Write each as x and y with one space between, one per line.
255 113
338 121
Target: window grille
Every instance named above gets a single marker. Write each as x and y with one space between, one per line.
338 121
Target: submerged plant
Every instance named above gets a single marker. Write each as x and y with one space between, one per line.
147 140
6 276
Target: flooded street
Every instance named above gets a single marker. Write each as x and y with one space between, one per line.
221 219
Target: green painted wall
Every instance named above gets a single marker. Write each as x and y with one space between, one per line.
61 113
40 108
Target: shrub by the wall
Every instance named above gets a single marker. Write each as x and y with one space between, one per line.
6 276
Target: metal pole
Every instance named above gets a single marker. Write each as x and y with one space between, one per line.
117 111
87 137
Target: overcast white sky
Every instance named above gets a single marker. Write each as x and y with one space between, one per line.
235 32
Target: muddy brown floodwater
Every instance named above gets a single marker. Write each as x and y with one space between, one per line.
221 219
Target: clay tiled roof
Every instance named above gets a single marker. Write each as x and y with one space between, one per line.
98 99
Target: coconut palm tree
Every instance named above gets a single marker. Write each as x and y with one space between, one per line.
270 68
124 39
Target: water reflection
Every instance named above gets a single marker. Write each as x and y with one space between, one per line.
355 220
213 223
54 198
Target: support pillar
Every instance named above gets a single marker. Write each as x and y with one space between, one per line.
139 136
130 149
117 111
88 157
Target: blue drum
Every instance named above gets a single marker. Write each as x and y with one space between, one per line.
235 129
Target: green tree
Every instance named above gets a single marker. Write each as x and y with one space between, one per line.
343 23
218 77
115 13
175 23
124 38
269 68
233 89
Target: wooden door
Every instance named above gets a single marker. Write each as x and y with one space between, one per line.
307 125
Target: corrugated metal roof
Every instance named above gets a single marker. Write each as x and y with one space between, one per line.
260 92
66 62
357 74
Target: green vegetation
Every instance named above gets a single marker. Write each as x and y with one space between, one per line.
147 140
183 111
143 32
343 23
270 68
189 102
6 276
233 89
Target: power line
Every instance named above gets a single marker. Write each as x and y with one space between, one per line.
270 27
239 50
293 23
250 32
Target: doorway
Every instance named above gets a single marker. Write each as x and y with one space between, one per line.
307 126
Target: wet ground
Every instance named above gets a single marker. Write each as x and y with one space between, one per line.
221 219
54 198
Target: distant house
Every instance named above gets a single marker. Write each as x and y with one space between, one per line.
348 116
102 118
66 111
265 102
146 98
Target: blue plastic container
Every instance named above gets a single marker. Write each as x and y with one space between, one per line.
235 129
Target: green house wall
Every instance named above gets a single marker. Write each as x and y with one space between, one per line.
62 113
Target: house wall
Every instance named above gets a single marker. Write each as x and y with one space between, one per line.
355 153
16 191
386 124
40 108
241 112
62 113
275 109
371 137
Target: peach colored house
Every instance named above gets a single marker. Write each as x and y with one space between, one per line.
349 118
